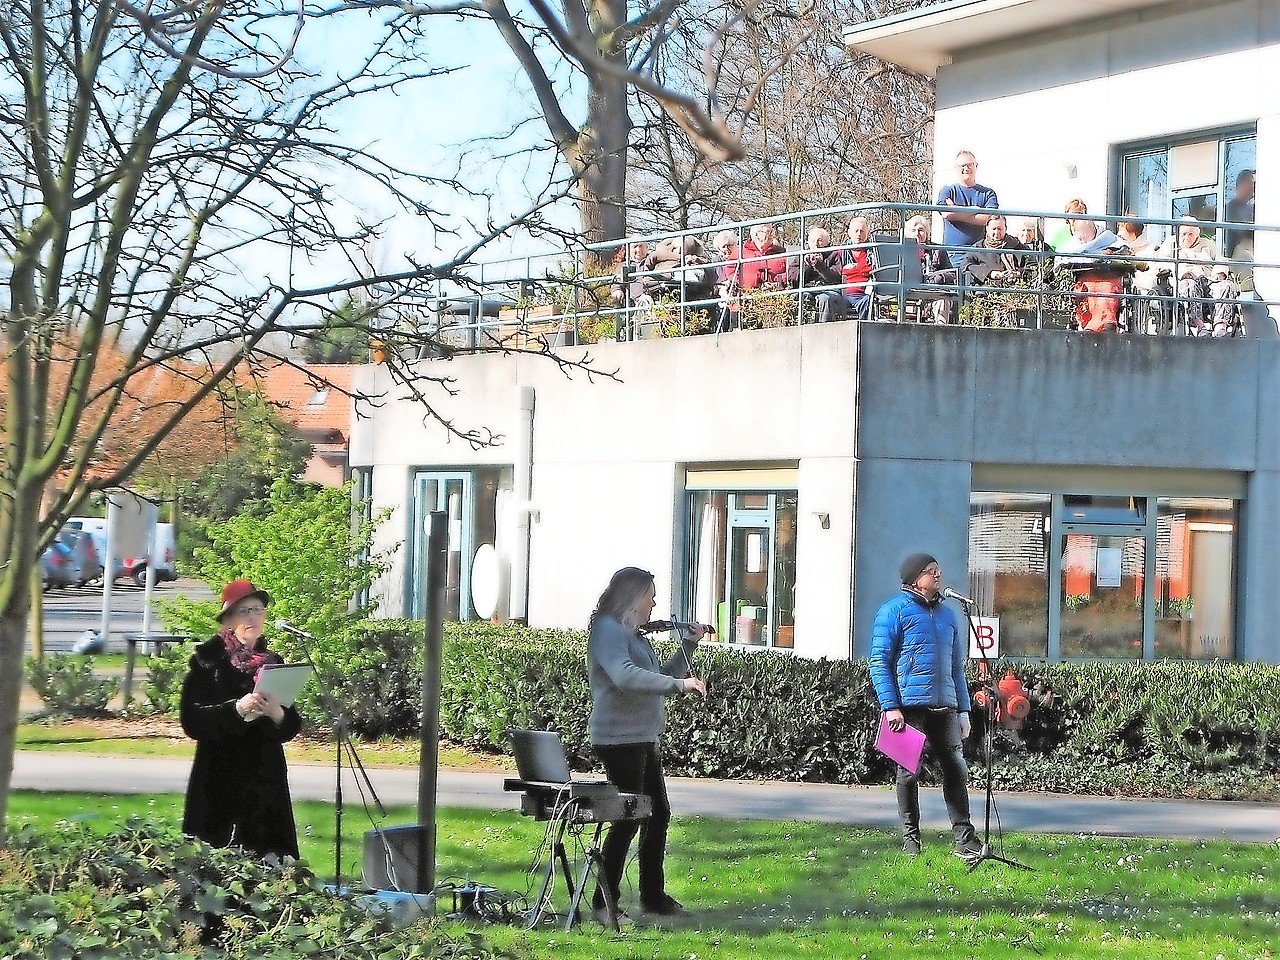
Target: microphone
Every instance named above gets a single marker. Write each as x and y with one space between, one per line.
952 595
658 626
287 627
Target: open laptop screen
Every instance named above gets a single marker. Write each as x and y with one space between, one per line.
539 756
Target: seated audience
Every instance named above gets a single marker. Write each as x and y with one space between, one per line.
1098 278
856 267
1154 316
680 266
997 259
1134 234
728 279
765 265
935 266
1060 236
1038 265
820 267
1207 294
630 287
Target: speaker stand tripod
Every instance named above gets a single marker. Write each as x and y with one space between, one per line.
988 755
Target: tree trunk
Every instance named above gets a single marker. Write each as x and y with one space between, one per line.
603 203
13 639
604 138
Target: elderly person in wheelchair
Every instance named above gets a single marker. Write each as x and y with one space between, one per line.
1099 279
1207 293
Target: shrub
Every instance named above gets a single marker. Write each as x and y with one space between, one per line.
1165 728
1169 728
301 547
144 892
66 684
167 669
766 715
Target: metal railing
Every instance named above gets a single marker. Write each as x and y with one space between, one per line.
558 298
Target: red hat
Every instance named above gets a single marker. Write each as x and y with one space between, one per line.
237 590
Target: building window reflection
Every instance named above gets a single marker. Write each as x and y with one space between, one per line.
741 550
1195 562
1083 576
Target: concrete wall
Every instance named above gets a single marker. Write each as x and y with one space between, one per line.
610 453
1043 113
934 405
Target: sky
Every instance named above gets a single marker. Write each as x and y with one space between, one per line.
433 128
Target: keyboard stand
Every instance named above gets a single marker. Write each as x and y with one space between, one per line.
590 806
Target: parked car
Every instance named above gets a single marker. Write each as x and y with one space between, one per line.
163 555
163 558
71 560
57 566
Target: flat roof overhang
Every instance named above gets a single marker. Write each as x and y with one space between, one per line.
923 40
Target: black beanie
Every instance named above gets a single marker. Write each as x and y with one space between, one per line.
913 566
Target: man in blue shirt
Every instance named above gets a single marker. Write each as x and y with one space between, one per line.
962 229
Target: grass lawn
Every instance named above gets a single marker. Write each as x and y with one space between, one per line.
817 890
143 737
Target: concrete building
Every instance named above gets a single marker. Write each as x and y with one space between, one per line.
1109 496
1150 106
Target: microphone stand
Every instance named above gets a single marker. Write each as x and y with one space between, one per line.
342 738
988 747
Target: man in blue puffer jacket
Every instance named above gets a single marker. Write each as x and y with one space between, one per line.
917 667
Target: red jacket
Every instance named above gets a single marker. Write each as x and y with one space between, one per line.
771 269
857 270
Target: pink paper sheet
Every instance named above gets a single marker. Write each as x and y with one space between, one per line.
902 748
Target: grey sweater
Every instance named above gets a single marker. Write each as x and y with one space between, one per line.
628 684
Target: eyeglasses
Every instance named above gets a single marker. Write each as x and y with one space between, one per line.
966 166
250 611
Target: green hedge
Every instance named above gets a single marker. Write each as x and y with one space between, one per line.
1172 728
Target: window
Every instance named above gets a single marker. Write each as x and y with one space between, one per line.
1195 556
740 547
469 500
1008 567
1082 576
1198 176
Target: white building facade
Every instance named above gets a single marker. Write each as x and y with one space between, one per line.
1100 496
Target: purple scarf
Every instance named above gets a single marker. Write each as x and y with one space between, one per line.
242 658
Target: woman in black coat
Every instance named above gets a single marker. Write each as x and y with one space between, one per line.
238 794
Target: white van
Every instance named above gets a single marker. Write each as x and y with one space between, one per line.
163 555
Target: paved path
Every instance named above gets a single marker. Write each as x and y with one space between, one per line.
825 803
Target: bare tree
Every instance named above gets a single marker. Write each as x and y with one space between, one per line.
613 46
164 166
823 126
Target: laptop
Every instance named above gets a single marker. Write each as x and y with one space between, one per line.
540 758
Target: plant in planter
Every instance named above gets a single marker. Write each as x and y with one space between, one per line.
1020 302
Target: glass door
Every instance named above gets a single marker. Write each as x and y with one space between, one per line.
749 572
1101 597
454 494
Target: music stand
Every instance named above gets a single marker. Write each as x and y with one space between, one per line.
988 752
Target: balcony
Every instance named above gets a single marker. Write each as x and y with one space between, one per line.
556 299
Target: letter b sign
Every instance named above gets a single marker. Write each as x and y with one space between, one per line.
984 638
